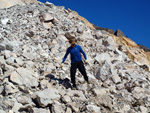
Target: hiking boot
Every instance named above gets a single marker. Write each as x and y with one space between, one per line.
74 88
88 82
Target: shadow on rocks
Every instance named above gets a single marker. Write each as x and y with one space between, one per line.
65 82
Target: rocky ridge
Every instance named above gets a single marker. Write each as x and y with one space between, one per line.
137 53
33 41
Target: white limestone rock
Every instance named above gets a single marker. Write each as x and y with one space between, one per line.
24 100
19 61
115 77
24 76
97 34
47 17
10 60
100 91
93 108
56 108
40 110
104 72
7 54
2 111
10 88
4 21
49 4
86 35
68 110
66 99
47 96
143 109
103 57
16 107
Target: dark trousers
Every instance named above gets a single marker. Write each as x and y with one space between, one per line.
73 69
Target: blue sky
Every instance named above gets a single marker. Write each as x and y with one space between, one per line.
130 16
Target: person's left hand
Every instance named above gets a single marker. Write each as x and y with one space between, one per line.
86 62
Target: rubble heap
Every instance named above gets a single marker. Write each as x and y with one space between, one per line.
33 41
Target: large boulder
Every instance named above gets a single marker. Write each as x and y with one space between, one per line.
2 111
24 100
47 17
109 43
47 20
66 99
86 35
47 96
4 21
56 108
100 91
100 58
16 107
119 33
70 35
93 108
23 76
10 88
40 110
98 34
143 109
103 72
49 4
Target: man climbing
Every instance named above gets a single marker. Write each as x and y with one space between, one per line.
76 61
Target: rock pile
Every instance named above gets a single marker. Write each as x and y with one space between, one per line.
33 41
9 3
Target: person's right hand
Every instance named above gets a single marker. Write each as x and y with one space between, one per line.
62 64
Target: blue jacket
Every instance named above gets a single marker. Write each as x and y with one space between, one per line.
75 53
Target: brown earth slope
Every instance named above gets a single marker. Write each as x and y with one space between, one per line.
134 52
